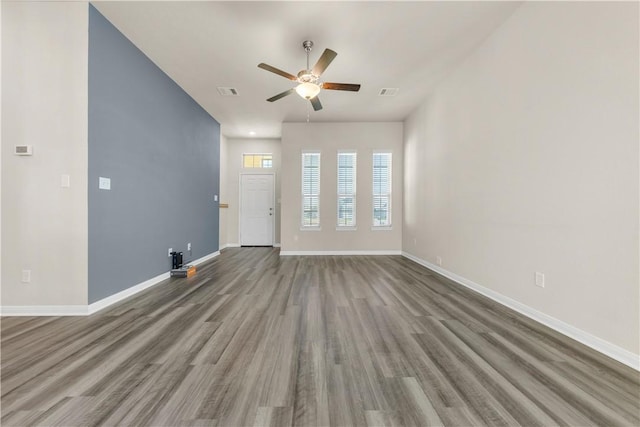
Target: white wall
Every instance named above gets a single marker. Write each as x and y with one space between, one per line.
0 156
44 104
525 159
232 168
328 138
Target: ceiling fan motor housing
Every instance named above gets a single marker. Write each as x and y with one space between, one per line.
306 76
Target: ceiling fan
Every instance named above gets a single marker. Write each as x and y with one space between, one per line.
309 79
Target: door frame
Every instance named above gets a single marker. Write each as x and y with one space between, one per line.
273 203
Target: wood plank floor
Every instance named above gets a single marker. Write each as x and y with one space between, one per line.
259 339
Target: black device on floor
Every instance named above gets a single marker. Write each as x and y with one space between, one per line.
176 258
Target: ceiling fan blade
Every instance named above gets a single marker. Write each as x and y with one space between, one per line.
315 101
281 95
277 71
341 86
327 56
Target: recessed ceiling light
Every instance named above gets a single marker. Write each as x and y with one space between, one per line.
252 133
388 91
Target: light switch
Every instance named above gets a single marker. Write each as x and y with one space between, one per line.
539 279
104 183
215 197
26 276
65 181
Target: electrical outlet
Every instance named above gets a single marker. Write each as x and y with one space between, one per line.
539 279
26 276
439 260
170 250
188 246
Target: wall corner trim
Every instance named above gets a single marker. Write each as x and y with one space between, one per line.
346 253
86 310
611 350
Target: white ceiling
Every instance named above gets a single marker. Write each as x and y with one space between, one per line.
203 45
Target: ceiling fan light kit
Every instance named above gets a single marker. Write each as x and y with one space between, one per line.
309 84
308 90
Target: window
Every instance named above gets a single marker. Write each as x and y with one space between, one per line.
382 189
310 189
346 189
257 160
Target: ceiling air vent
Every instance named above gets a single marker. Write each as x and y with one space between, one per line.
388 91
228 91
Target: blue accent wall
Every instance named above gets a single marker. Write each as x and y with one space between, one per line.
161 151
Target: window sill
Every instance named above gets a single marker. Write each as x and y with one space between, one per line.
346 228
310 228
382 228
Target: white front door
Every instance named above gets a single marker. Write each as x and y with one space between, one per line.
256 210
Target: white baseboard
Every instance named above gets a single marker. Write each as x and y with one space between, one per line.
204 258
84 310
613 351
122 295
326 253
44 310
237 245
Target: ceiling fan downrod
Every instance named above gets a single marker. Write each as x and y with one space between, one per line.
307 45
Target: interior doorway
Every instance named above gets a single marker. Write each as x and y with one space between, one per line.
257 209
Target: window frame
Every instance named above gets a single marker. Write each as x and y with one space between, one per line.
388 195
303 226
352 195
261 160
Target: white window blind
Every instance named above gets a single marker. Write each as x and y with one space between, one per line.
346 189
381 189
310 189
